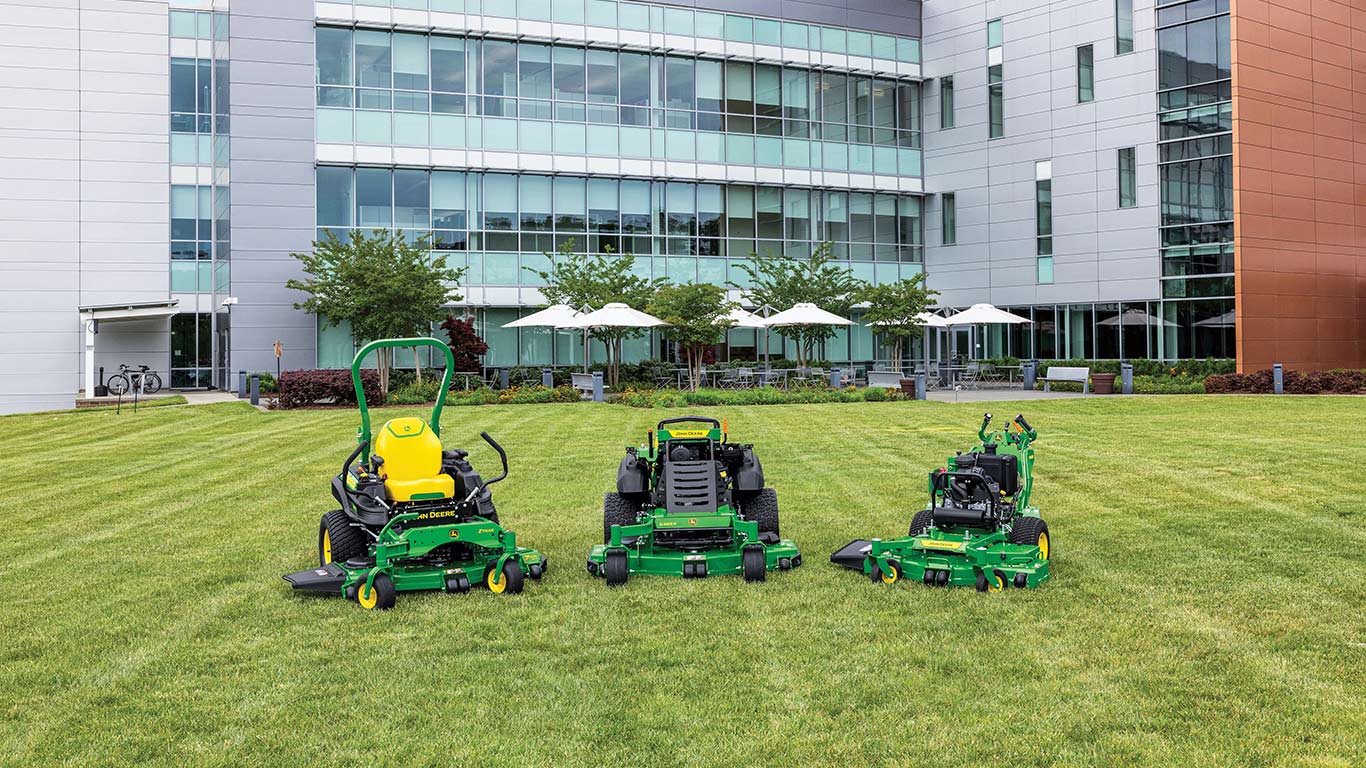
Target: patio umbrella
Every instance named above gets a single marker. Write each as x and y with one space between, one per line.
805 313
613 315
928 319
553 316
984 314
1135 316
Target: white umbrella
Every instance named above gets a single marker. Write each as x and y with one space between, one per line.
553 316
923 318
741 318
985 314
613 315
805 313
1135 316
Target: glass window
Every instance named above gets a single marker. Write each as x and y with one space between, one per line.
602 77
411 198
995 103
182 85
995 33
834 100
1044 269
410 61
333 56
710 25
908 50
1193 53
884 47
1124 26
183 24
448 64
768 90
768 32
634 16
635 208
500 201
740 215
334 199
739 87
602 13
679 85
946 102
950 218
1043 210
374 198
448 199
603 213
500 68
373 59
1086 74
678 21
795 35
1128 178
796 93
740 29
534 197
681 207
570 205
708 79
635 78
568 11
569 73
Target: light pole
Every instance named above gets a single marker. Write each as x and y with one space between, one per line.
229 302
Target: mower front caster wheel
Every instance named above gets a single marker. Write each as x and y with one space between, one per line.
994 583
616 568
510 582
888 577
380 596
754 563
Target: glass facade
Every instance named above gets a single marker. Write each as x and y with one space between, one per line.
1195 149
411 89
1161 330
200 228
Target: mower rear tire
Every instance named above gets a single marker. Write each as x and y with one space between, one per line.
921 522
511 580
1032 532
616 510
616 568
754 563
762 508
338 540
379 597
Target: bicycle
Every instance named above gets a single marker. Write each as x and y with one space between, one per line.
129 377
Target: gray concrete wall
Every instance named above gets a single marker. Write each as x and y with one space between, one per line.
895 17
272 180
84 198
1101 252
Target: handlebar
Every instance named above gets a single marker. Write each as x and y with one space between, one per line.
1020 419
685 419
982 430
360 446
502 454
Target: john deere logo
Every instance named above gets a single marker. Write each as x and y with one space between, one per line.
692 521
455 534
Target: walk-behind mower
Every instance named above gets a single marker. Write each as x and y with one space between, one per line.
978 528
413 516
690 503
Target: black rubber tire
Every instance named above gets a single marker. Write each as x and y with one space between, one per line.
512 574
117 384
616 510
1027 530
151 383
762 508
921 522
347 541
386 596
753 563
616 568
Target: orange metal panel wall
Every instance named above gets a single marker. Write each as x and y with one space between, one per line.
1299 150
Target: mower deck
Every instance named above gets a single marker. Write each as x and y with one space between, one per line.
641 558
946 559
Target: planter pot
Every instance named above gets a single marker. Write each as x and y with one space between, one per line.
1103 383
908 387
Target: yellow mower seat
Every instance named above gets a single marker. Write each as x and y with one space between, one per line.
412 461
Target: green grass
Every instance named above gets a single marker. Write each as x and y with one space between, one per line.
1208 604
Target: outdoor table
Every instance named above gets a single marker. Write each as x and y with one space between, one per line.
467 375
775 376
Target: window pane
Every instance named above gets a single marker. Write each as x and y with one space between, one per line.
534 194
739 87
448 64
946 102
333 56
334 197
1128 178
411 198
602 77
500 68
679 84
374 198
533 71
795 35
603 214
410 61
373 59
570 205
1086 79
995 33
635 78
569 73
950 218
1124 26
448 200
500 201
182 85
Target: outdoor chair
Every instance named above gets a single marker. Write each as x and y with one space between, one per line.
745 377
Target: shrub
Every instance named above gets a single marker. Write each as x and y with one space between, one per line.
414 393
300 389
1337 382
1144 367
669 398
268 384
465 344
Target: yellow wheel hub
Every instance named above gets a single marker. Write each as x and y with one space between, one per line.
890 575
327 547
502 583
1043 546
994 583
368 597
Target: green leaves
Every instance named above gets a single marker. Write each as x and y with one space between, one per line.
696 313
893 306
780 282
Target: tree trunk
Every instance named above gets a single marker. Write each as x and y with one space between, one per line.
417 364
383 362
694 356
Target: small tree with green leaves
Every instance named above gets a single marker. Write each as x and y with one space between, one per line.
594 280
781 282
892 310
384 285
697 318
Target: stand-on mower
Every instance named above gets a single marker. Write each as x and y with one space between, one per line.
690 503
413 516
978 528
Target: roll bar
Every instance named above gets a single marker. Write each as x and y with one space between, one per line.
363 434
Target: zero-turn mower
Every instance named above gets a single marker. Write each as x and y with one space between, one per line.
413 516
978 528
690 503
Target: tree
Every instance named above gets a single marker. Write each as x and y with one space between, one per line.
892 310
465 344
594 280
781 281
697 317
384 285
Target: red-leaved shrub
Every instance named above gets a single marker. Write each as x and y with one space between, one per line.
300 389
1335 382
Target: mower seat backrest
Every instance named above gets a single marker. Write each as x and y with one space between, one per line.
690 486
412 461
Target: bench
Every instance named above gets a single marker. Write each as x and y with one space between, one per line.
1080 376
583 382
886 379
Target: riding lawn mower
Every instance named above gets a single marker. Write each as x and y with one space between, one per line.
977 529
690 503
413 516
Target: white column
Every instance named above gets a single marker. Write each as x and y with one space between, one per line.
90 358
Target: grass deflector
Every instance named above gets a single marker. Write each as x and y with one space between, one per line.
978 528
690 503
413 516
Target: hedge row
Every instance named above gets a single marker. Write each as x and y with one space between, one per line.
672 398
1335 382
300 389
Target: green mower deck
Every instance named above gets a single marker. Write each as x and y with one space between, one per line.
977 529
691 504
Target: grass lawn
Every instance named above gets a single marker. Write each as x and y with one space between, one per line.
1208 603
